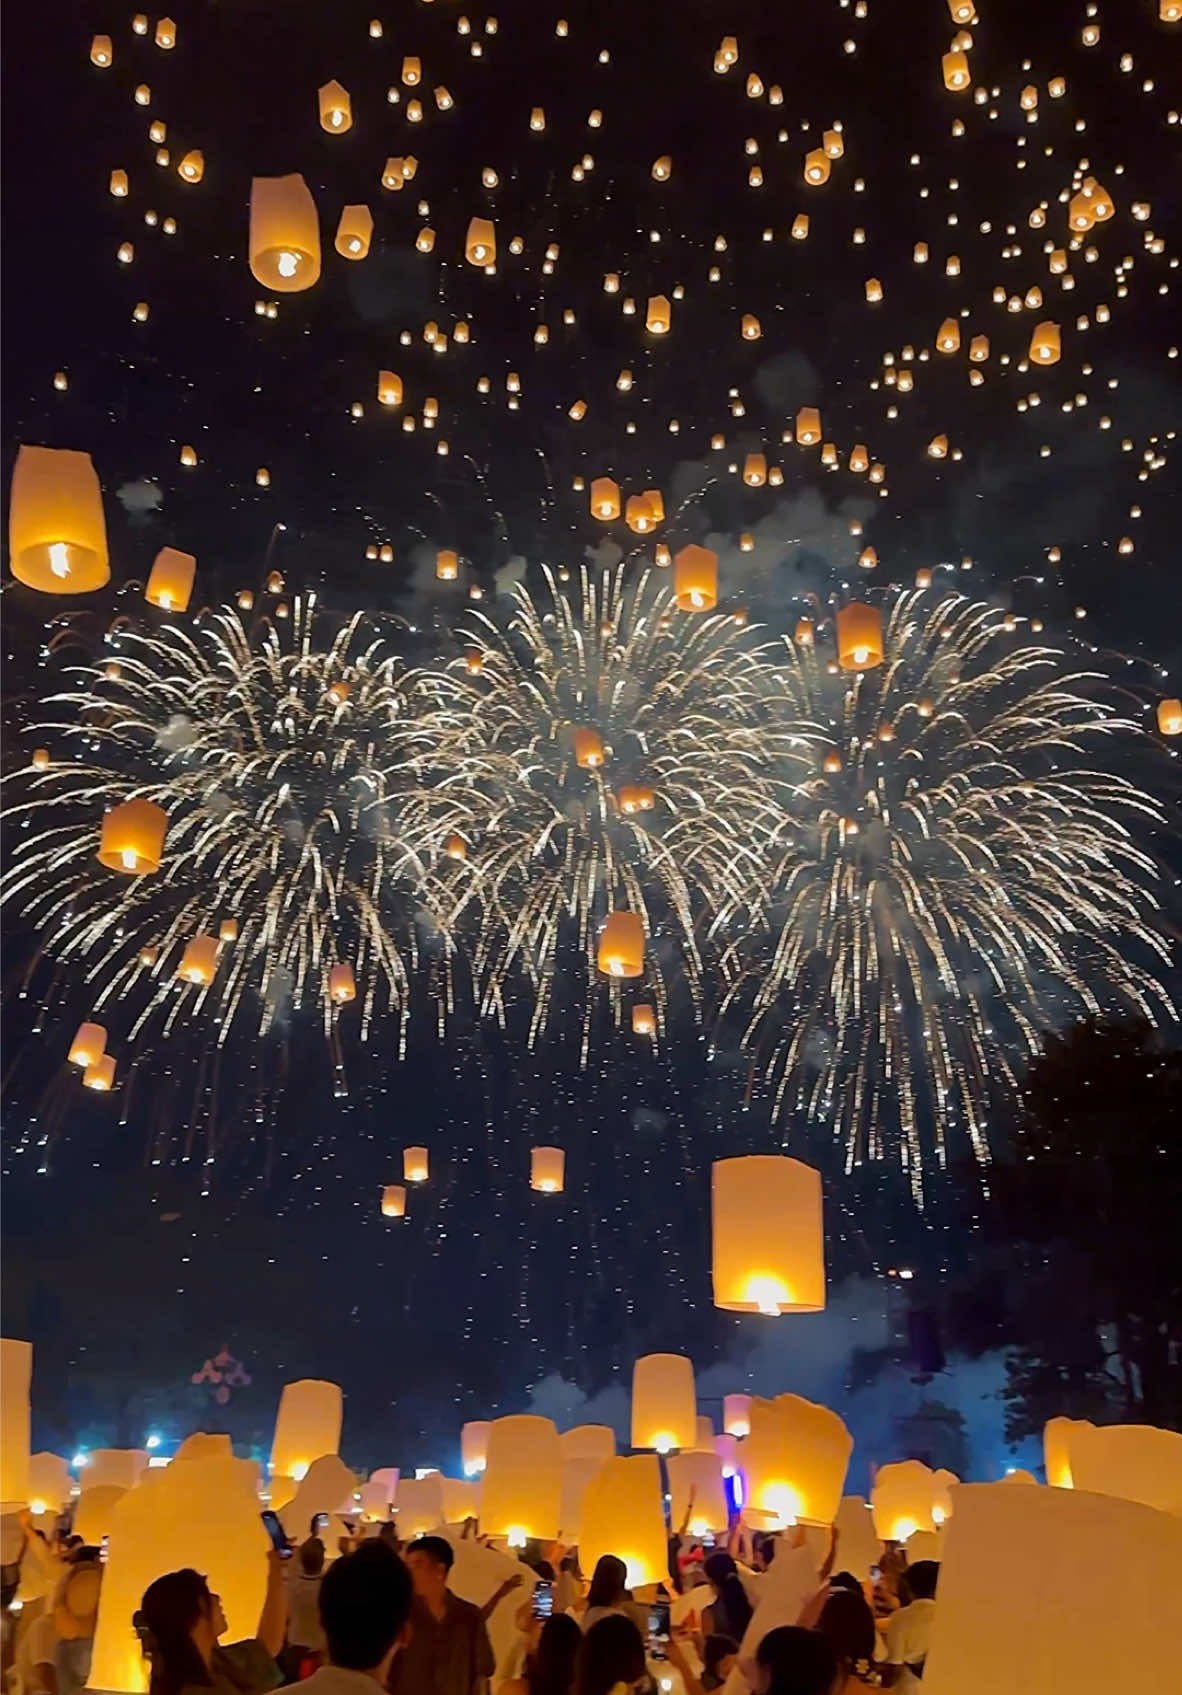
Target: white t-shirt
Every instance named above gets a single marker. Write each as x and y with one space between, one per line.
907 1638
37 1647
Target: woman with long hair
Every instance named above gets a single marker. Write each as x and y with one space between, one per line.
848 1622
608 1593
729 1613
550 1663
611 1657
180 1620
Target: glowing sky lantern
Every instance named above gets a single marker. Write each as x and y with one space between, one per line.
644 1019
100 1075
749 327
100 52
341 987
547 1170
909 1496
170 581
794 1462
1137 1462
415 1166
199 960
588 747
605 499
354 232
622 1513
816 167
307 1426
192 166
474 1447
620 952
767 1238
736 1415
755 470
447 565
16 1370
480 243
808 426
284 234
955 69
521 1494
664 1411
57 534
657 318
696 1490
89 1044
948 336
859 637
1169 717
389 388
695 578
132 837
1044 345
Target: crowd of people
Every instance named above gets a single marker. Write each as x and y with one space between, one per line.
754 1617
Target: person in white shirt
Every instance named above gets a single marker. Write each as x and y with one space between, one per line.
364 1609
910 1629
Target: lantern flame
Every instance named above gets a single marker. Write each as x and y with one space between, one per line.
59 559
287 264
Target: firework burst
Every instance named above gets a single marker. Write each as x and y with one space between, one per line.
957 872
634 759
318 808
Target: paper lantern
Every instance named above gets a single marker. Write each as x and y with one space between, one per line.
117 1468
199 960
100 52
354 232
1169 717
307 1426
736 1414
662 168
117 184
605 499
474 1446
425 240
389 388
100 1073
632 798
521 1495
165 33
659 315
873 289
57 535
336 111
700 1472
170 581
447 565
419 1505
588 1442
755 470
909 1496
1044 345
749 328
284 234
638 514
132 837
16 1370
412 72
656 504
546 1170
808 426
456 847
768 1253
859 637
620 951
192 167
800 227
415 1165
94 1510
393 1201
622 1513
461 1499
89 1045
938 447
644 1019
695 578
816 167
480 243
341 987
1069 1558
1137 1462
663 1403
49 1479
948 336
199 1511
576 1477
955 69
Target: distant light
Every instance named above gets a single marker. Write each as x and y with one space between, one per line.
152 1442
426 1471
80 1459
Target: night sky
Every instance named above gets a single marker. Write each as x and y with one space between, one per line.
231 1196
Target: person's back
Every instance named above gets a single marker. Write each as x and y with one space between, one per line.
365 1603
305 1634
793 1661
449 1652
910 1629
608 1594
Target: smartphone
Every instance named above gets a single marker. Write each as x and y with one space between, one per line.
274 1530
658 1628
320 1522
541 1603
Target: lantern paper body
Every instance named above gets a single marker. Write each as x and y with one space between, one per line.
588 1442
170 581
325 1487
622 1513
354 232
393 1201
1137 1462
480 243
522 1490
341 987
284 234
194 1511
727 1449
389 388
336 111
461 1499
908 1496
703 1434
695 578
132 837
664 1410
386 1478
94 1511
57 534
588 747
1056 1450
702 1473
101 1074
658 316
547 1170
474 1446
605 499
755 470
307 1425
115 1468
736 1414
859 637
1169 717
860 1545
576 1476
1044 345
415 1165
16 1370
447 565
808 426
49 1480
794 1462
621 945
1084 1604
374 1502
199 960
768 1251
89 1044
419 1504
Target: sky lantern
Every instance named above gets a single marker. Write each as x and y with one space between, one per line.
456 847
40 759
697 1493
341 987
132 837
859 458
859 637
307 1426
100 1075
1044 345
547 1169
736 1415
621 946
1169 717
199 960
955 68
808 426
657 319
638 514
816 167
979 349
622 1513
938 447
474 1446
57 534
89 1044
749 328
768 1253
447 565
755 470
794 1462
605 499
354 232
961 10
833 143
873 289
909 1496
644 1019
284 234
165 33
1137 1462
192 166
415 1166
117 184
228 930
521 1494
664 1406
800 227
394 173
662 168
170 581
948 336
389 388
695 578
100 52
480 243
588 746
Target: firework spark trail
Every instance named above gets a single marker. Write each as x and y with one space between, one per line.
680 704
311 789
966 877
